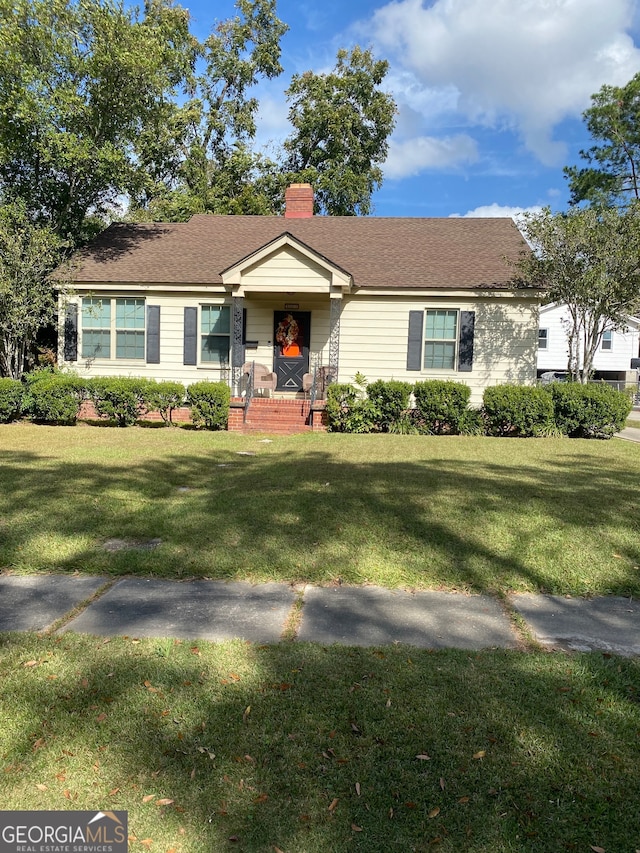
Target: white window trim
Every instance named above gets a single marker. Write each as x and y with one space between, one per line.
545 339
112 358
213 365
610 339
455 340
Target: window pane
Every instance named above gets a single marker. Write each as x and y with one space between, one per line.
96 344
439 355
214 349
129 313
607 340
96 313
542 339
441 325
129 344
215 319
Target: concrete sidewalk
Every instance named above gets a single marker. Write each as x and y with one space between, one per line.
361 616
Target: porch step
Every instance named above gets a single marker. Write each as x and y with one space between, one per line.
278 416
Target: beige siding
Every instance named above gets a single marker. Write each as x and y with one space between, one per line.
373 336
259 328
373 340
286 269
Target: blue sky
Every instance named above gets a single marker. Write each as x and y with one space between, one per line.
490 92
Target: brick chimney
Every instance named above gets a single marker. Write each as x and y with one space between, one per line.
298 201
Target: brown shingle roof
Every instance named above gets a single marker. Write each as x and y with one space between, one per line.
377 252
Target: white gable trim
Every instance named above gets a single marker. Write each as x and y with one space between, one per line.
283 266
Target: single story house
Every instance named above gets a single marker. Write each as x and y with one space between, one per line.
612 360
391 298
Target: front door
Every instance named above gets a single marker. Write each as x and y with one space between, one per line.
291 336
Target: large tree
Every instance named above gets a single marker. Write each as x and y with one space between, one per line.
27 297
588 259
612 175
83 86
342 122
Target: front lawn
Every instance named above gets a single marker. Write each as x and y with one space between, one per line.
471 513
305 749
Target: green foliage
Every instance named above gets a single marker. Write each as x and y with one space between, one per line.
613 120
589 411
390 399
123 399
52 397
347 410
472 422
587 259
517 410
341 121
164 397
209 403
441 406
11 391
28 253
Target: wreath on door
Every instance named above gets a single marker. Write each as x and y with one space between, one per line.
287 331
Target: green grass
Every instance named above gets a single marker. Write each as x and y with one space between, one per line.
311 749
471 513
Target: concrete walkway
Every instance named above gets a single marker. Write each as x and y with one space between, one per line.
361 616
629 434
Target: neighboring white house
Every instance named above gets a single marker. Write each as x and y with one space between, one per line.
613 357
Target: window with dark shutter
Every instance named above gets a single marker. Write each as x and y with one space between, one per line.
153 334
190 351
465 341
71 332
414 343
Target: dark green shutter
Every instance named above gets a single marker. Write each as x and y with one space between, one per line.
465 341
71 332
190 336
153 334
414 344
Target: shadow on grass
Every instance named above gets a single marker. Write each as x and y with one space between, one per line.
315 749
565 523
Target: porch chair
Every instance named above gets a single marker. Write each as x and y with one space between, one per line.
263 379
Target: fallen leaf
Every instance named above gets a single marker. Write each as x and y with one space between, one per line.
358 788
442 783
410 805
113 792
423 757
42 787
101 718
148 797
38 744
598 849
480 754
147 842
262 798
276 849
388 705
463 800
31 663
246 713
434 812
165 801
356 828
333 804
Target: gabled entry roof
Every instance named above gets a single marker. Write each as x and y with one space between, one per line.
381 253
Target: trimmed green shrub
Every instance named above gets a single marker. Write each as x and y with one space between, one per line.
588 411
472 422
517 410
390 400
123 399
11 392
53 398
164 397
209 403
441 406
347 411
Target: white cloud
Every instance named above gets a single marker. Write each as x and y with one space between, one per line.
412 156
520 64
488 211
